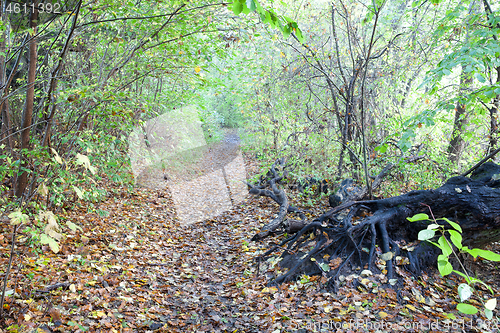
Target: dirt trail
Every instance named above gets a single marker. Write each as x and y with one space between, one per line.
180 278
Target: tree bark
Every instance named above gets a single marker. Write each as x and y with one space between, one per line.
493 135
22 180
457 143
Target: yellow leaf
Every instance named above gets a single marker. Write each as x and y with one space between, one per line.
411 307
53 245
56 156
100 313
18 217
52 227
197 69
43 190
84 160
382 314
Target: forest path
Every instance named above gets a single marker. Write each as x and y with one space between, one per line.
203 181
146 270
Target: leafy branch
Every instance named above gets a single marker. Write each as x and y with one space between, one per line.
446 244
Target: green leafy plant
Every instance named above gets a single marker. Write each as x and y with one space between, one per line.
282 23
448 241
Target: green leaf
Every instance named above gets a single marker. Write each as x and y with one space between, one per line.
456 238
237 7
246 10
251 5
325 267
382 148
456 226
488 255
445 246
418 217
286 31
299 35
102 213
268 19
444 265
426 234
480 77
466 308
462 275
488 314
473 280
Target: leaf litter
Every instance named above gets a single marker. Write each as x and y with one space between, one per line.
139 270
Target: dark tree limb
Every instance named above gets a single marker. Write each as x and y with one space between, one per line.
478 164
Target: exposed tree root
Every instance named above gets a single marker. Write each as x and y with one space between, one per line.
375 231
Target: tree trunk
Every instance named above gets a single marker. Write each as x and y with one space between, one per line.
457 143
493 135
5 129
493 140
54 79
22 180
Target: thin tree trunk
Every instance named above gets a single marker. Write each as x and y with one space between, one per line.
493 140
493 136
457 143
55 74
22 180
4 106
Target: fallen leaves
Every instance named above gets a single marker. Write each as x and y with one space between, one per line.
139 269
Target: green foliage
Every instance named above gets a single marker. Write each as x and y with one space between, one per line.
447 244
467 40
44 230
269 16
212 123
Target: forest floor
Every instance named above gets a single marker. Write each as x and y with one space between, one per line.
139 270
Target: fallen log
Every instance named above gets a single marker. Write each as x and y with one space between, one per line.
472 202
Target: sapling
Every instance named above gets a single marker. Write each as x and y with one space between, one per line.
448 245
